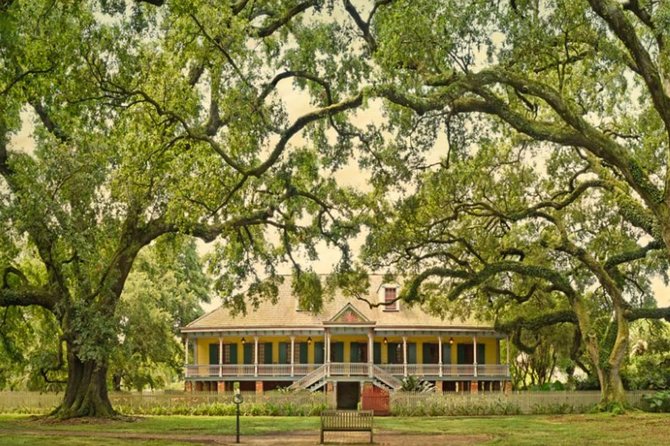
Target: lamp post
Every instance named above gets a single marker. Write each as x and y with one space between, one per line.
238 399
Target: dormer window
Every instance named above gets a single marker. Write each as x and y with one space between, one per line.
390 295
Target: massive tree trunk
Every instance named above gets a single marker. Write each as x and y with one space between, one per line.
611 386
607 356
86 393
612 391
616 345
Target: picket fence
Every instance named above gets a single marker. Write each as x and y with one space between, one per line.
527 402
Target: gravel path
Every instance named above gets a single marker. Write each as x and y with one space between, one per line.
386 438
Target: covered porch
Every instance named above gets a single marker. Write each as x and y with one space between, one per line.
353 351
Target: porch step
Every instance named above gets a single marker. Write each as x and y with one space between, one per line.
310 379
316 386
389 381
381 384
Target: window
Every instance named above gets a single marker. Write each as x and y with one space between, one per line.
394 353
390 296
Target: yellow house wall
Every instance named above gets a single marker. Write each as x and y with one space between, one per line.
490 351
203 346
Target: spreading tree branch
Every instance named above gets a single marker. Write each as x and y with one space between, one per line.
274 25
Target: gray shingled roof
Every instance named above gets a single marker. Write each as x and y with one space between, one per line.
285 315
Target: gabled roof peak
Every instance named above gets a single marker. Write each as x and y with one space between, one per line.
349 314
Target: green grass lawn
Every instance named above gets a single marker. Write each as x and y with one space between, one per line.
574 430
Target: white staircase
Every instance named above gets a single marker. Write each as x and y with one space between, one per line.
317 378
381 376
311 380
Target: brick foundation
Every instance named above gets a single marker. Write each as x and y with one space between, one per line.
221 387
474 387
438 387
508 387
376 399
331 395
188 386
259 387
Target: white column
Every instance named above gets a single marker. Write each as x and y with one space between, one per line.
292 355
404 355
195 356
327 353
507 347
255 355
371 353
220 356
439 354
474 355
186 356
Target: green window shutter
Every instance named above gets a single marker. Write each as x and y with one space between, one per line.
354 352
268 353
283 353
481 354
233 353
411 353
337 352
248 353
213 353
303 352
377 357
394 353
431 353
460 352
446 353
318 353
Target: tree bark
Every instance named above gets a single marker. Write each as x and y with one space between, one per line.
86 392
612 391
612 387
608 369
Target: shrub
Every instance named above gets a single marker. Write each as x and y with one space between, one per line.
657 402
426 405
555 386
414 384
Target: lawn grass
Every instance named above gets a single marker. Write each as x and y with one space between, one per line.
34 440
634 428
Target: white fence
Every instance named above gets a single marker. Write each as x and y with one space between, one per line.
35 402
406 403
401 402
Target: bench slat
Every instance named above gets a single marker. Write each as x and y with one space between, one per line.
346 421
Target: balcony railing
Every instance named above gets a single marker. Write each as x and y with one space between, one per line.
345 369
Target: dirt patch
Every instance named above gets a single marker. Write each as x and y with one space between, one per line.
302 438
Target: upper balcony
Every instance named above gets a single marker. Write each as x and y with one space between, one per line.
290 372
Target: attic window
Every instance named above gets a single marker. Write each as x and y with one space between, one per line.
390 294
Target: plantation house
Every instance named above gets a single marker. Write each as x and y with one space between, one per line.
346 344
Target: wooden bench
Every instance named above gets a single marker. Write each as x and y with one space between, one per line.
346 421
